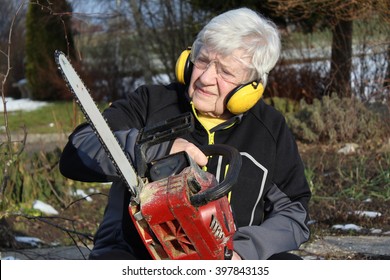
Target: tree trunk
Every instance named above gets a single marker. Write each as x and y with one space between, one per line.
143 41
386 82
341 60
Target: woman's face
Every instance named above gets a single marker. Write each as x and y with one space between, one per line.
213 78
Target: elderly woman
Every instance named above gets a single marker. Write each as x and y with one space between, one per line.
220 81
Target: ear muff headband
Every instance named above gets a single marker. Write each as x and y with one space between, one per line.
244 97
238 101
183 67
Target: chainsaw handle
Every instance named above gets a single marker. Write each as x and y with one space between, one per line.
230 179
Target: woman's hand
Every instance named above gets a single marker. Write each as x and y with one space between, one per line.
236 256
193 151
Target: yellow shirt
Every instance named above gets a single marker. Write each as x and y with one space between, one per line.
209 122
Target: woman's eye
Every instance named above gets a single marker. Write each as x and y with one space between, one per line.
226 72
203 61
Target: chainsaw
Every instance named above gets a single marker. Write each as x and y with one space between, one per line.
179 210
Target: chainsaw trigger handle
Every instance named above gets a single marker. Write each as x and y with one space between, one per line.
161 132
231 177
168 166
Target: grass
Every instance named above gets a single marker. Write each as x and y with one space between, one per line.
53 118
356 176
342 184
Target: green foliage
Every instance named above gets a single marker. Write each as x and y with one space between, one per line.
47 29
29 179
34 176
361 179
333 119
283 105
334 177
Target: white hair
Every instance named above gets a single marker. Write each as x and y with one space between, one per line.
247 30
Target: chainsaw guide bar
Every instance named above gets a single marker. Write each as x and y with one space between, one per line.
99 124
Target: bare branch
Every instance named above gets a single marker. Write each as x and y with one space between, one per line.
10 154
346 10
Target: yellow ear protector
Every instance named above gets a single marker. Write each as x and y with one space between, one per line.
238 101
244 97
184 67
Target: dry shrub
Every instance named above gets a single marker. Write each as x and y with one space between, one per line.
297 81
333 119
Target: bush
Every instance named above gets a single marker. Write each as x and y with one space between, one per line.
333 119
297 81
283 105
30 177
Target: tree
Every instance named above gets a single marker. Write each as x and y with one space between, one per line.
219 6
16 56
47 29
339 15
137 42
164 29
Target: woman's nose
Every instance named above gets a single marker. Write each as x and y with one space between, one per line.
210 73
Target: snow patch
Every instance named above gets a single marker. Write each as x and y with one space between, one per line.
81 194
33 241
347 227
44 208
367 214
24 104
349 148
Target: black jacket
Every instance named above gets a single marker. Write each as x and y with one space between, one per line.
269 202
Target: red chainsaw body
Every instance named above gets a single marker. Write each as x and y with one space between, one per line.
172 228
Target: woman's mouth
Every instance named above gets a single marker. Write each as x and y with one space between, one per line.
204 92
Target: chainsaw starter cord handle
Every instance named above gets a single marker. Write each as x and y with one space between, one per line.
230 179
